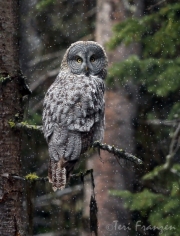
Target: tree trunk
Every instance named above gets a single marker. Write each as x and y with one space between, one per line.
10 110
120 111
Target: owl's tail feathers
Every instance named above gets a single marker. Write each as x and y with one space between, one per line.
57 174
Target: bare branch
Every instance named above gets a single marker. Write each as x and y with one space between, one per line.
174 146
175 142
168 165
91 12
42 79
44 199
25 126
59 54
34 177
163 122
158 3
46 57
119 153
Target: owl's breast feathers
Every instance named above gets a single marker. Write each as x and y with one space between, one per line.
73 117
74 102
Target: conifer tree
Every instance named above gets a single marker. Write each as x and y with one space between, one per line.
155 200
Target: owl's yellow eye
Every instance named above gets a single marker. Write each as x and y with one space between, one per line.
79 60
92 59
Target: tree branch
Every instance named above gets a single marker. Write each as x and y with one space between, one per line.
33 177
119 153
46 57
24 88
5 79
163 122
173 148
158 3
25 126
168 165
43 78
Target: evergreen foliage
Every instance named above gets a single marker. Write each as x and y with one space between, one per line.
162 210
159 66
157 75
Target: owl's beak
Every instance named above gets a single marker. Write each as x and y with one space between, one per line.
86 70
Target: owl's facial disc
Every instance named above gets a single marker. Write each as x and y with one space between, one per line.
86 59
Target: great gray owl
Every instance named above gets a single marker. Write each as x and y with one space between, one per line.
73 114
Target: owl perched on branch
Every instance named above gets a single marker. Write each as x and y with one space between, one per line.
73 114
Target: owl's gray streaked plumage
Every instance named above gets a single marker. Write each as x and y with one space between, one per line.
73 115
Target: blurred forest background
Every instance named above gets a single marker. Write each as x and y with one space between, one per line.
142 115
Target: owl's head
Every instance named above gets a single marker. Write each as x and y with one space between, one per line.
85 57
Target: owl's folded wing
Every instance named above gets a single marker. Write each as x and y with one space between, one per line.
76 106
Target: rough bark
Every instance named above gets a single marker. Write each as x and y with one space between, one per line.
120 111
10 107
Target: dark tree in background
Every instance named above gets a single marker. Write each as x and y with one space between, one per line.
11 92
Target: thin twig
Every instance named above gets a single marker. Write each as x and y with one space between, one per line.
158 3
117 152
46 57
43 200
163 122
43 78
80 174
173 148
25 90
